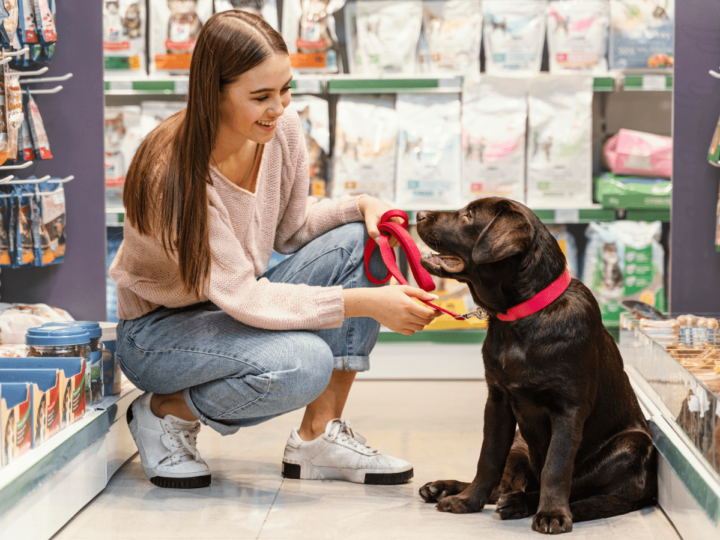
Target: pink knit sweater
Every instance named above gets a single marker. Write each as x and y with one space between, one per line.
244 229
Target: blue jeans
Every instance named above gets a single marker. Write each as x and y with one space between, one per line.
233 375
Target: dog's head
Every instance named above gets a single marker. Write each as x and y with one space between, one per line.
497 246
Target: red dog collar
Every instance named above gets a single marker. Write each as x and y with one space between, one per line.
541 300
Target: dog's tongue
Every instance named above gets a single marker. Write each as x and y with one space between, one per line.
446 262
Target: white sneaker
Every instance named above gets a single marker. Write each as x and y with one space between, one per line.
167 447
338 455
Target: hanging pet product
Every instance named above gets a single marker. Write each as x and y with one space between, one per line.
9 14
174 27
267 9
642 34
315 122
309 31
5 235
40 142
452 31
124 23
577 32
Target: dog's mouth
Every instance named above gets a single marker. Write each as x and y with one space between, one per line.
433 262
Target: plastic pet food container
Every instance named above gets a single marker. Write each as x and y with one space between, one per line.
96 358
112 375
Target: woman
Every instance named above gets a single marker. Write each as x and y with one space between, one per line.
205 330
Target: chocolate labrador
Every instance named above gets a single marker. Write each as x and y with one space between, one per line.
583 449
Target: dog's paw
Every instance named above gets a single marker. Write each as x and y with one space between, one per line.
459 504
517 505
553 522
436 491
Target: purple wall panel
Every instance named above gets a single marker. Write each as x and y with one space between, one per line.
74 122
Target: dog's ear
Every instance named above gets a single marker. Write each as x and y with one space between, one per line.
509 234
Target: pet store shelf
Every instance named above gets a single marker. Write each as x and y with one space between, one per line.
114 216
50 484
658 82
349 84
178 85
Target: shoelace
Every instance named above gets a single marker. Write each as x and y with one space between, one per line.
340 431
181 442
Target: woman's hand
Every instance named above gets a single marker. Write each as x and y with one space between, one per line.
372 210
392 306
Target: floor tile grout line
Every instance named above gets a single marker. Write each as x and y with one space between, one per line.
270 509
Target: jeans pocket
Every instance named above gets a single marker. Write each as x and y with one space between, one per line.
129 373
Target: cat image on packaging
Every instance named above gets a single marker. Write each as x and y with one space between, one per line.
309 31
514 35
643 34
494 115
123 135
267 9
124 35
577 35
175 25
315 122
452 31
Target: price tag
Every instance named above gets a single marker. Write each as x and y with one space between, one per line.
307 86
654 82
567 215
120 85
181 86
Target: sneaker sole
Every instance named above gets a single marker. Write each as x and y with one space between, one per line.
307 471
186 482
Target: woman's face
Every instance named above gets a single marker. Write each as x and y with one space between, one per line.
251 105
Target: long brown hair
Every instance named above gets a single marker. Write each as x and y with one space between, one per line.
165 193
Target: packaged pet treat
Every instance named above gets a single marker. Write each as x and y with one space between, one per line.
50 203
267 9
309 30
4 237
639 153
155 112
559 153
624 260
10 20
577 32
28 30
22 215
428 150
174 27
124 23
123 135
4 131
385 36
25 151
37 129
642 34
567 244
44 21
452 31
315 121
364 153
494 115
514 35
14 102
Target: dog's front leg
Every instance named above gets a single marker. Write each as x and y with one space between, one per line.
553 515
498 435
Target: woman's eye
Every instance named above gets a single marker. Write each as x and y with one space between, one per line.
285 89
263 98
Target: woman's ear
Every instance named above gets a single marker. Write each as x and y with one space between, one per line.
509 234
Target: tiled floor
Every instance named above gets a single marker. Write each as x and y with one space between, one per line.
435 425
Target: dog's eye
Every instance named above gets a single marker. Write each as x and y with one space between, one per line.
468 217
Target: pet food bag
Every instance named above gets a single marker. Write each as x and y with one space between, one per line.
428 150
174 27
514 35
45 21
452 30
642 34
49 223
559 153
5 251
494 116
365 145
123 135
156 112
567 244
308 27
124 23
22 210
10 20
315 120
639 153
384 37
577 32
624 260
267 9
38 136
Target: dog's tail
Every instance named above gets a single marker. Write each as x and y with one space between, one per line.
605 506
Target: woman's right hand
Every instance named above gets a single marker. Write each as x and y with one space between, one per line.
392 306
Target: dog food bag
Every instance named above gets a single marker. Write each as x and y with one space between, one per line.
559 152
494 115
428 150
567 244
124 23
123 135
577 32
308 27
365 145
37 130
315 120
639 153
174 27
384 38
50 203
267 9
514 35
452 31
155 112
624 260
642 34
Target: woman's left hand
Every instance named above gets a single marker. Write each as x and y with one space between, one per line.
372 210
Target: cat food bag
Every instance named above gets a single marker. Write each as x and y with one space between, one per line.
37 129
364 152
639 153
124 23
315 121
514 35
384 38
308 27
22 215
624 260
567 244
10 21
155 112
452 31
174 27
44 22
49 229
494 116
559 146
123 135
267 9
642 34
577 32
428 150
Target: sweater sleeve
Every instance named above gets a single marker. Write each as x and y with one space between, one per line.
258 302
305 218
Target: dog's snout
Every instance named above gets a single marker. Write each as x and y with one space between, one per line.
421 215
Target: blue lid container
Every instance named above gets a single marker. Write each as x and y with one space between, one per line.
55 334
92 328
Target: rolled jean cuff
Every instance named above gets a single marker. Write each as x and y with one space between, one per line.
222 429
351 363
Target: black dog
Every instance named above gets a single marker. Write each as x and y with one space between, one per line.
583 450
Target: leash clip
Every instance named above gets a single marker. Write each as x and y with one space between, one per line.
479 313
